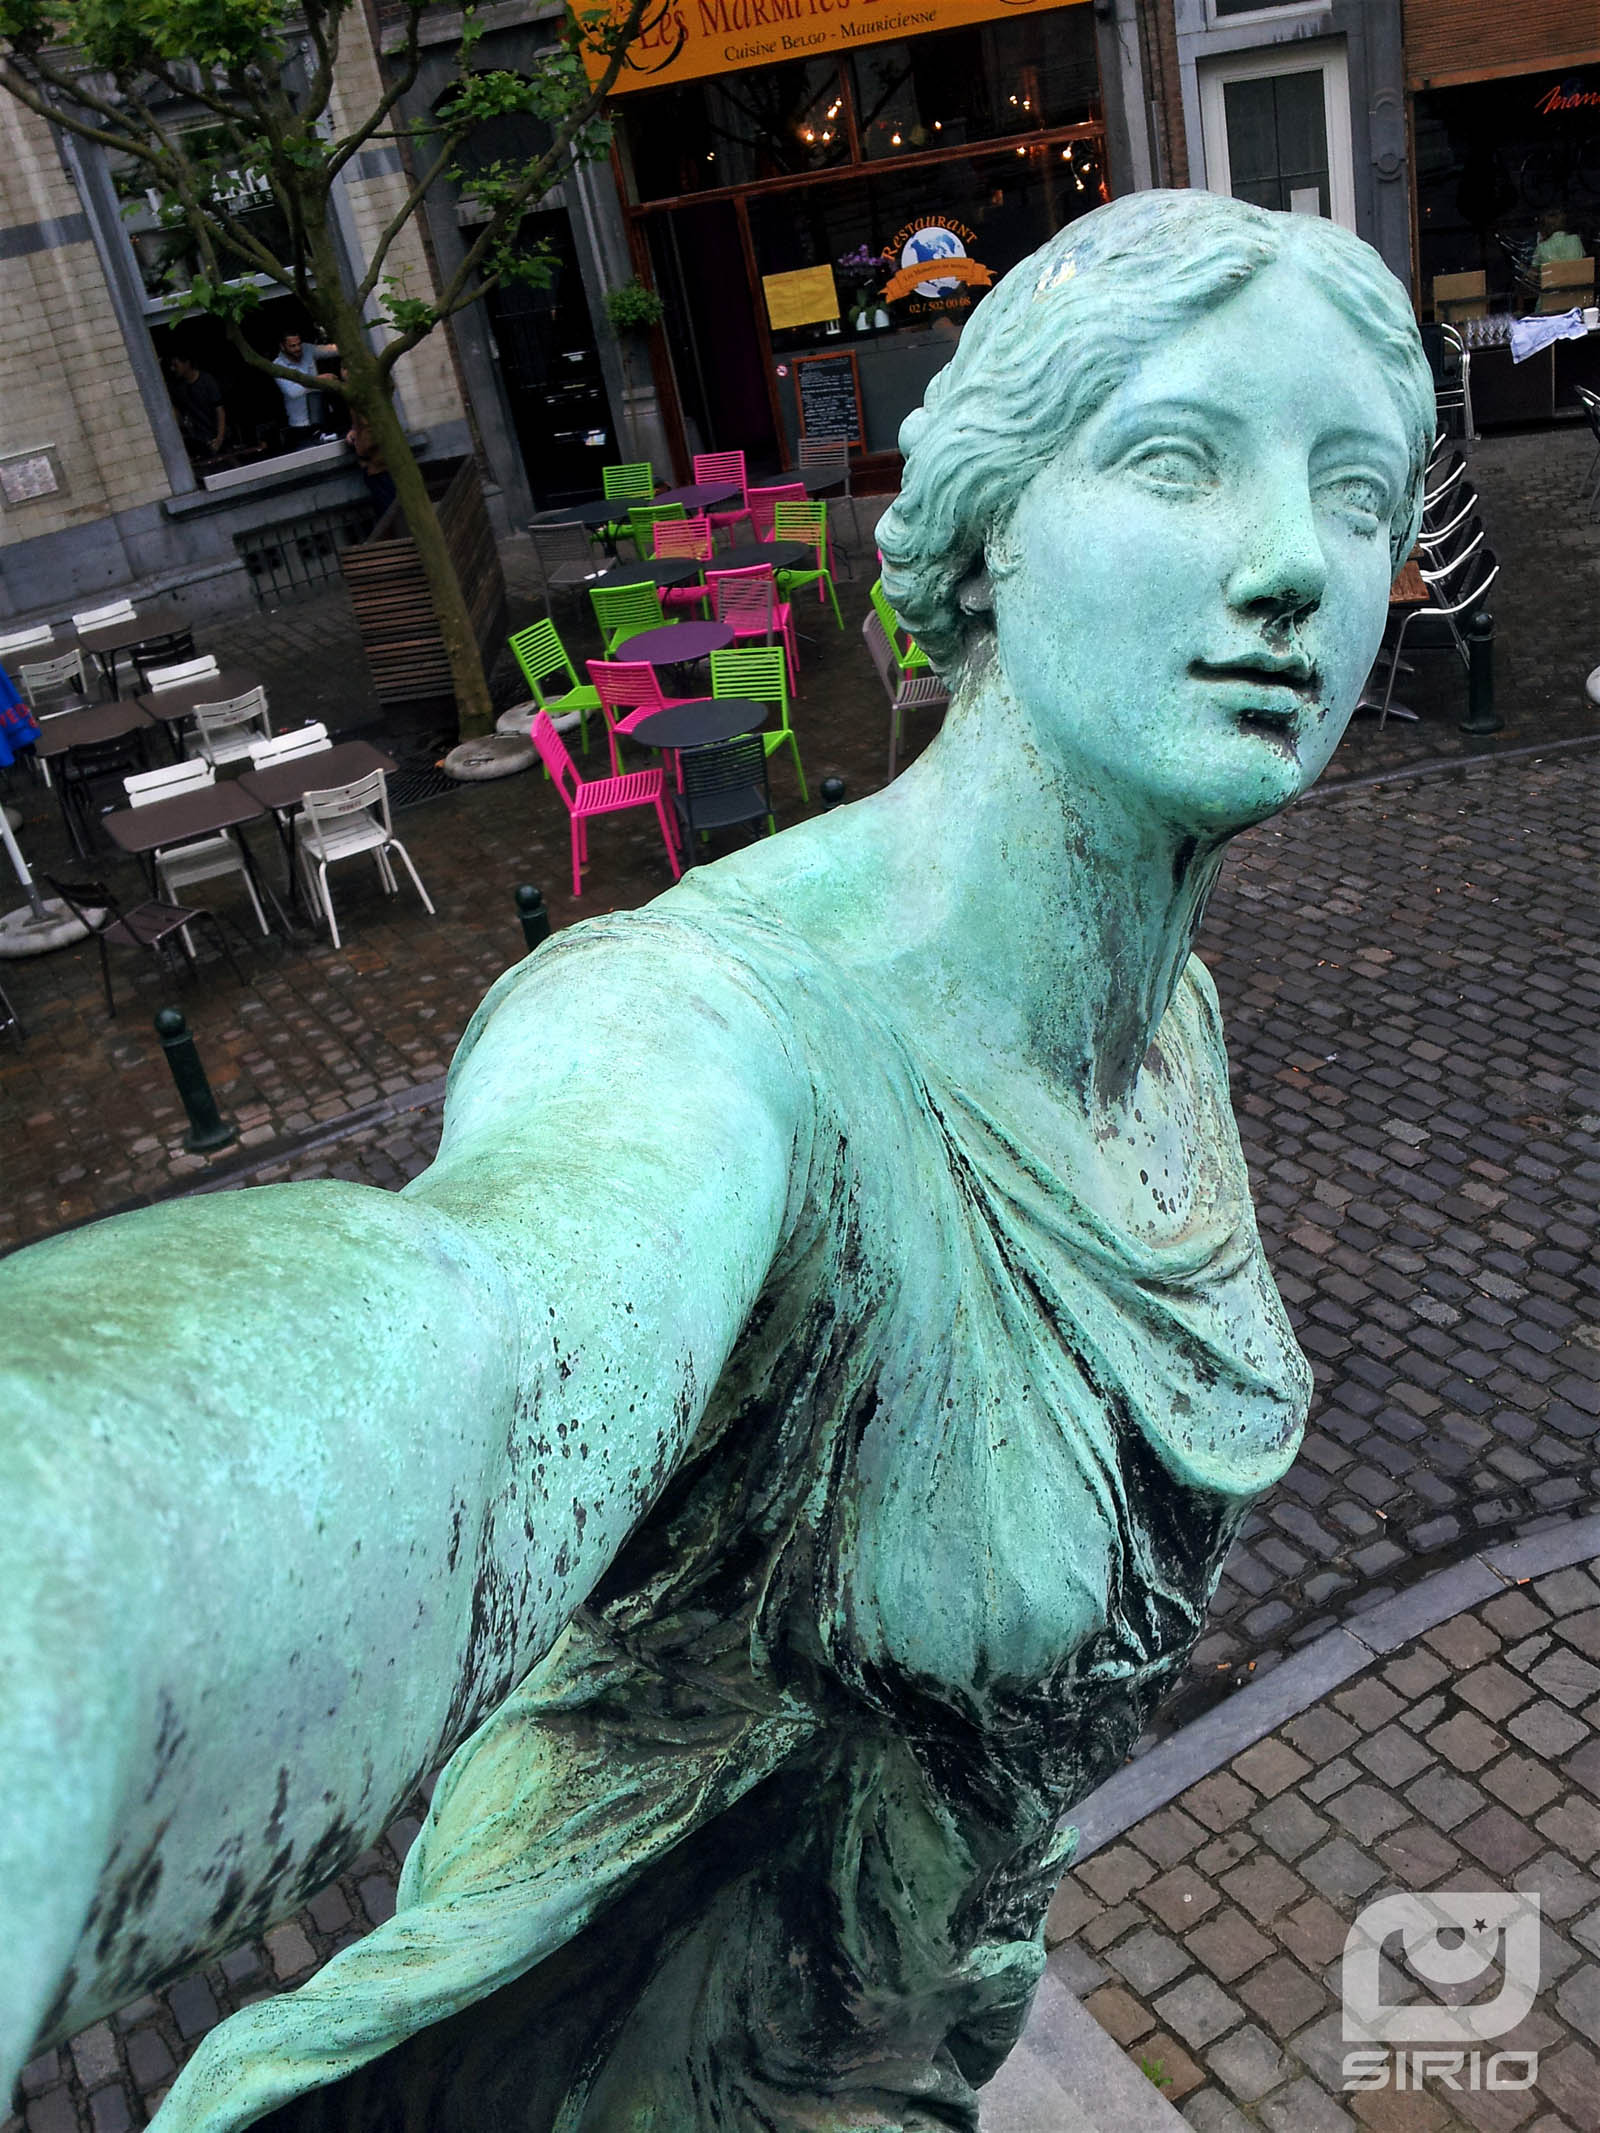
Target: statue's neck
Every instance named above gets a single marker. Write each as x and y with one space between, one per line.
1039 914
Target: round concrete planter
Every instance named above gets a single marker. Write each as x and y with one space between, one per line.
21 934
495 755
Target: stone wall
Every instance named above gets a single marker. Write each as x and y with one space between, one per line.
65 375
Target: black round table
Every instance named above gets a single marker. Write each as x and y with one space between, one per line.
750 555
702 722
605 515
698 495
657 570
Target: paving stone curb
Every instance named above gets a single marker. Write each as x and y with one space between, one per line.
1250 1714
1444 766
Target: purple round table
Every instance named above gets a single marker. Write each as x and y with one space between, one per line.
697 495
676 644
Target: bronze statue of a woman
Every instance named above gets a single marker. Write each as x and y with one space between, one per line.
787 1441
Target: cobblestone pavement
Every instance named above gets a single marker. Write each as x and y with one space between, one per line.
1208 1940
1410 976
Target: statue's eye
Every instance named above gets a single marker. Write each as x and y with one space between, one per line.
1171 463
1362 497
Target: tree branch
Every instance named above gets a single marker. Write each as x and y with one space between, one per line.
416 193
403 84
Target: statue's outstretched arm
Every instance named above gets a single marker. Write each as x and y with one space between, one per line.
295 1483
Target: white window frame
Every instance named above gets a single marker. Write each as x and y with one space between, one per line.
1324 56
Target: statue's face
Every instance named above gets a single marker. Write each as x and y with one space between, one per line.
1189 597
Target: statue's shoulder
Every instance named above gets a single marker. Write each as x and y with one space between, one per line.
704 969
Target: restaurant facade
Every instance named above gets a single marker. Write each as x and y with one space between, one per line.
821 190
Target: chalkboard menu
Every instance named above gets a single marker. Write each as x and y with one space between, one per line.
829 390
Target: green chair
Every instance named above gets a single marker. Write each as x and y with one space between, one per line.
643 517
622 611
551 677
808 522
909 656
634 480
758 672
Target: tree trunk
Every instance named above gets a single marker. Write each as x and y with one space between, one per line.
366 389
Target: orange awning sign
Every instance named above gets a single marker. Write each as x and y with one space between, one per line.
688 39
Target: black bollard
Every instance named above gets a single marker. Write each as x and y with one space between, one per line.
535 918
832 791
208 1129
1479 633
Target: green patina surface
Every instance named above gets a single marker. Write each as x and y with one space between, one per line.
787 1441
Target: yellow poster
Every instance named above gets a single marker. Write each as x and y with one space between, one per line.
684 39
802 298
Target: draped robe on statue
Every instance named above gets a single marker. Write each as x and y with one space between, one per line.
767 1839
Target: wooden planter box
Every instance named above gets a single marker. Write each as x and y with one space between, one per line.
394 614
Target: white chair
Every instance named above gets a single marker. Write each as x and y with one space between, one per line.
310 739
180 866
159 678
43 679
225 732
339 823
26 640
94 618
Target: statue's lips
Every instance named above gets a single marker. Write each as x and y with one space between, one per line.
1261 691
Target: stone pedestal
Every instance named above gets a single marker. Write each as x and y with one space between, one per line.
1067 2076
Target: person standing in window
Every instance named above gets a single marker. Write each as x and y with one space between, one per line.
302 406
201 414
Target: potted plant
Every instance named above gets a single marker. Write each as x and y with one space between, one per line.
633 308
869 271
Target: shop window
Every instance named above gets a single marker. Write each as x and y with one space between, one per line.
946 90
771 122
1504 168
981 212
975 84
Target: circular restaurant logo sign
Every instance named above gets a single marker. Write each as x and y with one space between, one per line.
934 240
935 261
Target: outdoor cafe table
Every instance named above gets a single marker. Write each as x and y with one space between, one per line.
662 570
699 495
281 787
172 706
606 515
750 555
678 644
94 723
104 643
200 812
700 722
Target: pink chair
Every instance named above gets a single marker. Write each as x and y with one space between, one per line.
601 796
725 466
763 503
690 537
632 689
747 600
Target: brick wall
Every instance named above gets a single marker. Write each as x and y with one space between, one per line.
426 378
65 377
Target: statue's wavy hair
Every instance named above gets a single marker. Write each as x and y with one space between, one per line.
1057 336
